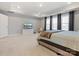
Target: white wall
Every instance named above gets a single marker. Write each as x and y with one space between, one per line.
3 25
34 21
76 22
42 23
15 25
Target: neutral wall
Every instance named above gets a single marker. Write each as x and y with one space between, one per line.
42 23
34 21
15 25
76 22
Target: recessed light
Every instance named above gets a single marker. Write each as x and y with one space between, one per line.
40 5
18 6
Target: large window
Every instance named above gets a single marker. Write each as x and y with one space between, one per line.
54 22
65 21
48 23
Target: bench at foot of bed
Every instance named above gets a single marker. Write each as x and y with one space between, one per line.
60 50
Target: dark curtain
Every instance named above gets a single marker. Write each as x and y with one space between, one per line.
50 22
59 22
45 23
71 21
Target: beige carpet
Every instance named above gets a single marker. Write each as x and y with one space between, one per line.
23 45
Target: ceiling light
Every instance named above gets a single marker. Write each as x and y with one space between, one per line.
18 6
41 5
69 2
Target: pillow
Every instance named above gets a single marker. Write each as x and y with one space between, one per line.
45 34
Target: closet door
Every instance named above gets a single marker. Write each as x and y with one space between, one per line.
3 25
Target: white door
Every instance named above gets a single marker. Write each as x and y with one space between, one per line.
3 25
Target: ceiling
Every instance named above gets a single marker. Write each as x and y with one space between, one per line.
35 9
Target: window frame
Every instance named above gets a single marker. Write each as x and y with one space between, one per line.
48 25
65 23
54 23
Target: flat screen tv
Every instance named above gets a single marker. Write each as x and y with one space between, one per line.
27 26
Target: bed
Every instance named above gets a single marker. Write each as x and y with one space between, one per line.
63 43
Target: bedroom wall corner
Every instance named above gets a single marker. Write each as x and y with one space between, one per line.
76 21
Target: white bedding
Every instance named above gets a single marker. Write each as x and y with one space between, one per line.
67 35
67 38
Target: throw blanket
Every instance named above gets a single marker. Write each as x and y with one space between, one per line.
46 34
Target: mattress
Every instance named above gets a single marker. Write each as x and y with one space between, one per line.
67 35
67 38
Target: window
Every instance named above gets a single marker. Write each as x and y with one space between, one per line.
65 21
48 23
54 22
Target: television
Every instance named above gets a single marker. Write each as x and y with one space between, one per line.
28 26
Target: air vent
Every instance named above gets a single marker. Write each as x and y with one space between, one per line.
10 12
